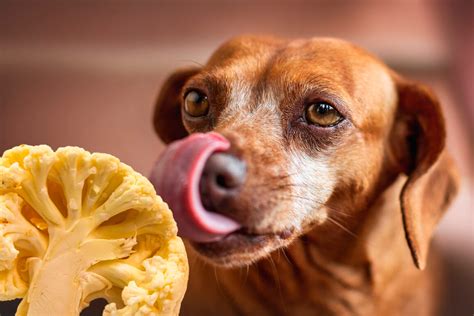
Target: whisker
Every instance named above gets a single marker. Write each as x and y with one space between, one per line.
246 274
277 278
191 61
320 203
279 187
305 198
217 280
335 222
278 258
286 256
275 185
281 176
313 200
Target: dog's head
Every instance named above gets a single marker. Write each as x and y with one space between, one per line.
306 132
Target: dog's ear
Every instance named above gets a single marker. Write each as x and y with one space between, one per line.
418 140
167 116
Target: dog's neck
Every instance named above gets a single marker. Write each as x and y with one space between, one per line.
305 280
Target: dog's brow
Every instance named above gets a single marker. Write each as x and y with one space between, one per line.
207 79
215 85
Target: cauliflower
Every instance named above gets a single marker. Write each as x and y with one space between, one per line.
76 226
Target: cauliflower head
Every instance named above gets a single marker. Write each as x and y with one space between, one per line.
76 226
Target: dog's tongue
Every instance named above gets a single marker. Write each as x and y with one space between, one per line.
176 178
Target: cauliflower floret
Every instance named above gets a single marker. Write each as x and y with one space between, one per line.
76 226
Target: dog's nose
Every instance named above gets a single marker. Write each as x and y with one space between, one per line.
222 177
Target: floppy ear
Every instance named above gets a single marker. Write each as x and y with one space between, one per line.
167 116
418 139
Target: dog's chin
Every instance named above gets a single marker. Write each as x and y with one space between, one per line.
242 248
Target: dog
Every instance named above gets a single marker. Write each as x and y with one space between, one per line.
329 178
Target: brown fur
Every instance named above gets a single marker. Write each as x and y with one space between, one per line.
383 182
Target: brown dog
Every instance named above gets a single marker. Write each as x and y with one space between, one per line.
335 179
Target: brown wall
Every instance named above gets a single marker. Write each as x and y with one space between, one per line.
86 73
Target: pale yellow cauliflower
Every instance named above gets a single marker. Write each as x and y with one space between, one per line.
76 226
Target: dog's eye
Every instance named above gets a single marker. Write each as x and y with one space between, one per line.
196 103
322 114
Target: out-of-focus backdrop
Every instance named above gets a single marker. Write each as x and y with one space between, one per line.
87 73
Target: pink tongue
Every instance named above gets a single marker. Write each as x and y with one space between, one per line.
176 178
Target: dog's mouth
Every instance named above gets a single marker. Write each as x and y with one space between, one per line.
243 247
219 238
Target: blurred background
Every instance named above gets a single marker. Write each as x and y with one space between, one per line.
87 73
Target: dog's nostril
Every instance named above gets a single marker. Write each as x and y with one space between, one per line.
229 177
223 181
226 170
223 174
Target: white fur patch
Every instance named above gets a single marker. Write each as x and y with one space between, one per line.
312 185
242 111
240 96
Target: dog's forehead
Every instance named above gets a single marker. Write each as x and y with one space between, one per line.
298 60
252 65
245 48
